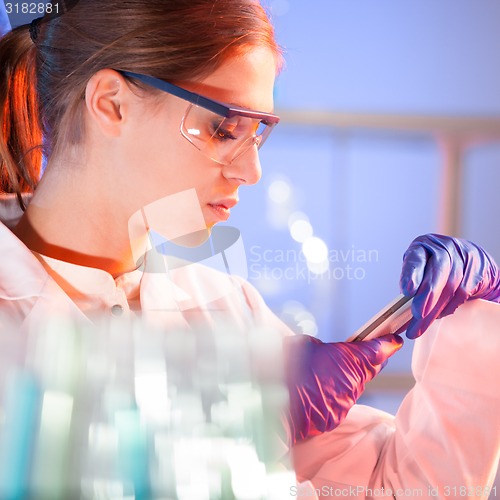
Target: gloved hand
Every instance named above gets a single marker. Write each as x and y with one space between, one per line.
325 379
441 273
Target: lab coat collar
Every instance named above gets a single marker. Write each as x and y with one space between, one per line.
83 281
33 269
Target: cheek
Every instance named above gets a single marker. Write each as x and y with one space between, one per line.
166 163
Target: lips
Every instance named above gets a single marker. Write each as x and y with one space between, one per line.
227 203
222 208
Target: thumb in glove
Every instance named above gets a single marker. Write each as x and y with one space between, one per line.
441 273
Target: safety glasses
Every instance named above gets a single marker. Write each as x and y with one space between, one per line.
220 131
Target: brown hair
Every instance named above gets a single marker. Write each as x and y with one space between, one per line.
42 86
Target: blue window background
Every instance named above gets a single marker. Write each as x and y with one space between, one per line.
4 20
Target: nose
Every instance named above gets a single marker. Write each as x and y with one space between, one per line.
245 169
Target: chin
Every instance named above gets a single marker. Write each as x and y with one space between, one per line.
194 239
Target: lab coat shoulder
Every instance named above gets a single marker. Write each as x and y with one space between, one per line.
228 297
27 292
261 312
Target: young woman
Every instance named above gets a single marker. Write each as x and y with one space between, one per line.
152 113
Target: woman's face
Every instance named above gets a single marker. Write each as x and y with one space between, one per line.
161 163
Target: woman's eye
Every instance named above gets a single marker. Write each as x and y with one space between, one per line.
223 135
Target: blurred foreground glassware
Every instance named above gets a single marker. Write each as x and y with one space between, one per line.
126 411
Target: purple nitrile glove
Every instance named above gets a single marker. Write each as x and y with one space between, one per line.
441 273
325 379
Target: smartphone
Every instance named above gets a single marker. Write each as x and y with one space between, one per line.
390 319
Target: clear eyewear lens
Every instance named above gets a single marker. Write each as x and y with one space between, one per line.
222 139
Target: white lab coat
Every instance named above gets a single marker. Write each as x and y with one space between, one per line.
444 441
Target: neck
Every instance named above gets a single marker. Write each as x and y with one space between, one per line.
77 225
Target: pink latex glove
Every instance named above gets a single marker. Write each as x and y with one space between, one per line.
441 273
325 379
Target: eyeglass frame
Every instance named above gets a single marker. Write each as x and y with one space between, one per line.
222 109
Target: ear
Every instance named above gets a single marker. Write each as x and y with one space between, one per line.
107 101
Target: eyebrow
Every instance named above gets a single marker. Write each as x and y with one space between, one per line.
242 106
